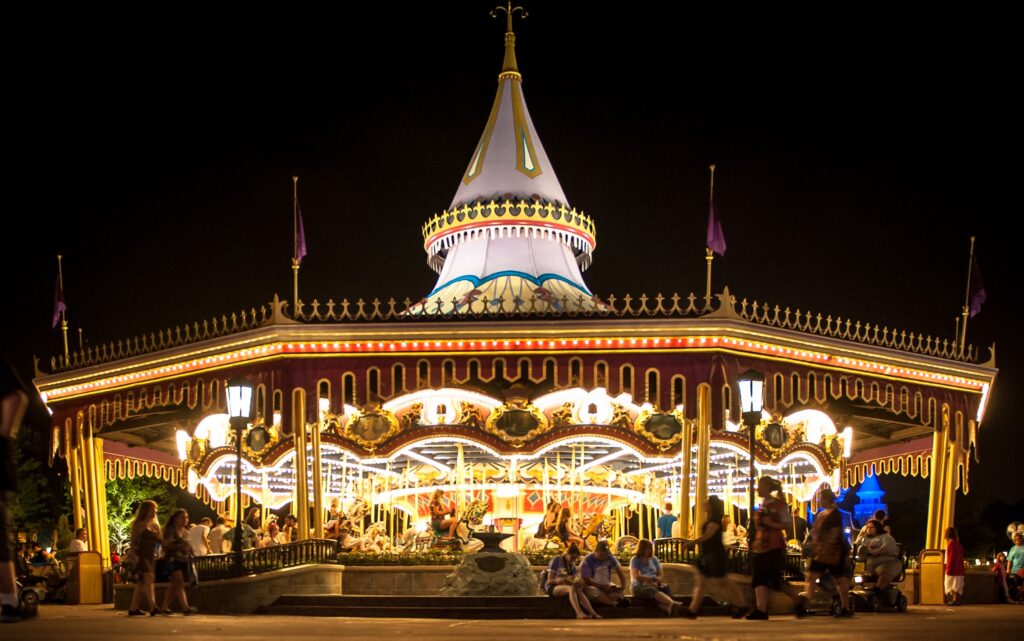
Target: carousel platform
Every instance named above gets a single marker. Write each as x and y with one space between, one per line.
452 607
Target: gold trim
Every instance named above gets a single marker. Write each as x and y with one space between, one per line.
388 417
644 417
476 163
773 451
517 441
524 136
272 439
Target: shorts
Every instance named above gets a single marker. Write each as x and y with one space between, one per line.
837 570
954 584
596 593
648 591
6 553
712 565
766 568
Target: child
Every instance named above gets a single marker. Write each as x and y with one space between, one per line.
954 584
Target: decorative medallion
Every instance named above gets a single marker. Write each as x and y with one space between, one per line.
774 437
370 428
517 423
197 449
664 429
258 440
833 448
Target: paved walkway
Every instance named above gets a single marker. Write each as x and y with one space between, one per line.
101 623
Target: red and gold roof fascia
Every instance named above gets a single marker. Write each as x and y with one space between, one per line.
602 336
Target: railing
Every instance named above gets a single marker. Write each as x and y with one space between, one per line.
738 559
275 557
643 306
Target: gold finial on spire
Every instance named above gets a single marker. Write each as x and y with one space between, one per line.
510 65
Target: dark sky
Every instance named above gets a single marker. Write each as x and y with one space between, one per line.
856 156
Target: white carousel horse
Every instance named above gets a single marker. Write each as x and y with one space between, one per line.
375 540
470 519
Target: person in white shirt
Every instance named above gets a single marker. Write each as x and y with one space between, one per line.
217 542
81 541
198 536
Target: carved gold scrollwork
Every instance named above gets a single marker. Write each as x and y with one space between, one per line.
664 429
516 423
774 436
259 439
370 428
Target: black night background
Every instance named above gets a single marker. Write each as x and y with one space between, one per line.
855 155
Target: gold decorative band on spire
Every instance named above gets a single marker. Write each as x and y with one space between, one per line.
512 219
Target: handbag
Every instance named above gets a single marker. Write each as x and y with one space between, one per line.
129 567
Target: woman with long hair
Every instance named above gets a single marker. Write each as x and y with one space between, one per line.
546 527
177 553
562 529
712 565
145 536
442 516
648 580
564 581
768 551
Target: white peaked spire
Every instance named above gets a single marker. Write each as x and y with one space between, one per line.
509 241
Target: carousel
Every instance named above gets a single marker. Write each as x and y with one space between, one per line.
509 387
502 461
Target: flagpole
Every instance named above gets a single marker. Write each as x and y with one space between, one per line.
295 238
64 310
710 254
967 299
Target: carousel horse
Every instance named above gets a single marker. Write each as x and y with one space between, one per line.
375 540
598 528
343 528
470 519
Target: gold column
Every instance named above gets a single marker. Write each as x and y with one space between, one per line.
684 481
933 538
101 540
71 456
318 486
703 453
84 477
301 468
92 482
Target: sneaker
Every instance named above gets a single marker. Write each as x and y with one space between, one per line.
800 609
10 614
623 603
845 613
738 613
136 613
757 615
192 610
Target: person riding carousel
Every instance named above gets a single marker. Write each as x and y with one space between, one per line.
442 514
566 535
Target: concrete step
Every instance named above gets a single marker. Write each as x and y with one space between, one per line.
449 607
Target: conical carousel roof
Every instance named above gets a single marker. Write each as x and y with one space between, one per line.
509 242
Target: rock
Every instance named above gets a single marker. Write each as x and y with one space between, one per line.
492 574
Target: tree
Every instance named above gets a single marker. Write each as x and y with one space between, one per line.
38 502
124 496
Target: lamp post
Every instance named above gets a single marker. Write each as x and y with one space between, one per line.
752 401
239 411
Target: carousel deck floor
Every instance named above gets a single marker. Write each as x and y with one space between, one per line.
452 607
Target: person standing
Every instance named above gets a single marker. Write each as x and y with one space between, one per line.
954 581
713 563
81 541
177 554
768 551
145 536
830 551
665 522
216 536
199 537
18 404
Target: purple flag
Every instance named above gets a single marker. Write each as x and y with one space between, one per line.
58 302
716 239
976 287
300 238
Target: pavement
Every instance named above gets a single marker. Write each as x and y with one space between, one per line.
926 623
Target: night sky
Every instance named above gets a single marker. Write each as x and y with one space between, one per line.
855 159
